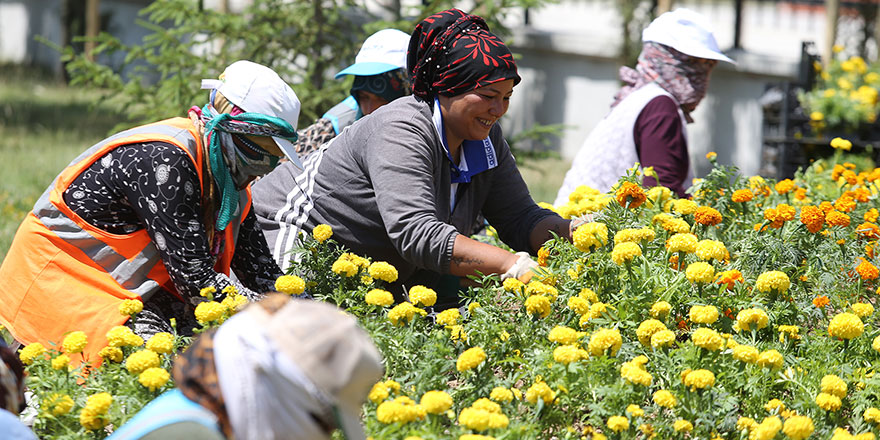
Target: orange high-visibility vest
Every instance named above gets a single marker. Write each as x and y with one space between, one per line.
62 274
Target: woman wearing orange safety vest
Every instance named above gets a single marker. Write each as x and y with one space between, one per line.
154 213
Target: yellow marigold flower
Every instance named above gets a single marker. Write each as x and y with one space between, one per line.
707 339
700 272
742 196
708 216
513 285
58 404
748 318
403 313
699 379
625 253
564 335
75 342
774 406
379 297
618 423
589 295
384 271
684 206
767 429
635 410
682 425
233 301
682 242
676 226
837 218
209 311
538 288
590 236
703 314
130 307
664 398
828 402
109 353
746 424
207 291
745 353
876 344
540 390
30 352
578 305
630 195
344 268
634 371
790 330
566 354
154 378
436 402
162 342
660 310
863 310
448 317
832 384
538 305
456 332
770 359
140 360
709 250
662 338
322 233
839 143
872 415
400 410
647 329
634 235
92 417
61 361
470 359
773 281
603 340
846 326
480 420
501 394
379 392
290 285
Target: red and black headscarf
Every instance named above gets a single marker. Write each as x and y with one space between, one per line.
451 53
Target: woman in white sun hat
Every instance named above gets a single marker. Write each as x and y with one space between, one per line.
155 213
647 122
380 77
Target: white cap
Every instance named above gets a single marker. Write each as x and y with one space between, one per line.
383 51
258 89
687 32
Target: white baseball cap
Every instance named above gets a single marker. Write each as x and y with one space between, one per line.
687 32
383 51
256 88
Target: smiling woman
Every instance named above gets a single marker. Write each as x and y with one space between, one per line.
407 183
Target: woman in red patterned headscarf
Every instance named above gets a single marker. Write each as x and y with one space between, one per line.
406 183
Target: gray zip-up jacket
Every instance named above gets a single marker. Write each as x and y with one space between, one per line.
383 185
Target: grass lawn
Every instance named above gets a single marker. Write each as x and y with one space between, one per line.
45 124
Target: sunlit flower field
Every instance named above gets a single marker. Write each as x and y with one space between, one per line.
746 312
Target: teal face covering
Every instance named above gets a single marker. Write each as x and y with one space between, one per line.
236 164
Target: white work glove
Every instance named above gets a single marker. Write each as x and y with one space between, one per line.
522 268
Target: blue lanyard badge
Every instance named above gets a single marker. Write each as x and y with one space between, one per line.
478 155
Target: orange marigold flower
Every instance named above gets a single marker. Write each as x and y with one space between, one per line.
826 207
729 277
742 196
869 249
632 193
785 186
813 218
871 215
837 218
850 177
821 301
673 263
862 195
800 193
543 256
866 270
707 216
837 171
845 204
868 230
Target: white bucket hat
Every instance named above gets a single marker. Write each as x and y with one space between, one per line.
687 32
256 88
383 51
